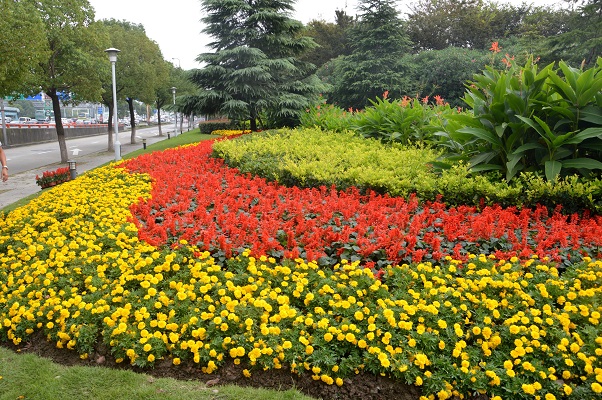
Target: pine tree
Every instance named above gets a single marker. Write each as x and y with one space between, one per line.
378 41
254 69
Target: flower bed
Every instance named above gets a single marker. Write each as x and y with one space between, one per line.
53 178
230 132
76 267
224 212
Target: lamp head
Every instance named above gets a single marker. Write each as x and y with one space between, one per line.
112 52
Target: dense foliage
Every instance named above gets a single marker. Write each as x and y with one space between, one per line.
531 118
254 70
378 43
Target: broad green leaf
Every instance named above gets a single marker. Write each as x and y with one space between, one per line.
563 88
540 127
481 158
528 146
552 169
582 163
591 114
482 134
486 167
560 139
516 103
565 112
587 87
570 74
511 165
585 134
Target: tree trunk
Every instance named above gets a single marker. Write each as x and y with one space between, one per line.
60 130
130 102
159 121
110 125
253 119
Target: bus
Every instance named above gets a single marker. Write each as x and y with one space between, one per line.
12 113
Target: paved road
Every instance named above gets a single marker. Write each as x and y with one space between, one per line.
42 157
25 158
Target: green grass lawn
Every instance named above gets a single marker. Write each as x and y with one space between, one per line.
26 376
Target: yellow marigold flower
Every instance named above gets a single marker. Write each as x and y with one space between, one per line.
176 361
596 387
528 388
443 395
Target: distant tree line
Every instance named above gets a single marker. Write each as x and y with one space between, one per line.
440 44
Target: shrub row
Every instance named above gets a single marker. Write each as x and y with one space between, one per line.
312 157
207 127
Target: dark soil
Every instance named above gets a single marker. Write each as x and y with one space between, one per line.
362 386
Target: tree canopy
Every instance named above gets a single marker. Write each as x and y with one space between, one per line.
22 47
255 68
140 67
378 44
69 72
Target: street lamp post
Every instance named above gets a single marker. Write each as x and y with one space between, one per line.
112 52
173 91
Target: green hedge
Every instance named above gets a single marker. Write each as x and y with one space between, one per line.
312 157
207 127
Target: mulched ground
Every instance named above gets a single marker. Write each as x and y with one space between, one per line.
363 386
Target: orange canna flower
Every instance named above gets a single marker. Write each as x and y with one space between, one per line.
425 100
385 94
495 47
439 100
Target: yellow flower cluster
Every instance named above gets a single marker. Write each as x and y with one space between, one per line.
230 132
71 266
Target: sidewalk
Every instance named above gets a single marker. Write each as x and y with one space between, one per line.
24 184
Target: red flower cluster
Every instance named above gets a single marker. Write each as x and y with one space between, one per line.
53 178
198 198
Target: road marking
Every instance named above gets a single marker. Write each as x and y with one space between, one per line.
76 151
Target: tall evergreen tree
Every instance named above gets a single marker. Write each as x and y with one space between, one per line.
582 43
255 67
378 42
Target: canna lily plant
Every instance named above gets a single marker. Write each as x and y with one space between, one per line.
530 119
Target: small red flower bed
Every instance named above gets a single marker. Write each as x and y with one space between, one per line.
199 199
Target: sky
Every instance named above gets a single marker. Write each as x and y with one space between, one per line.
176 26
